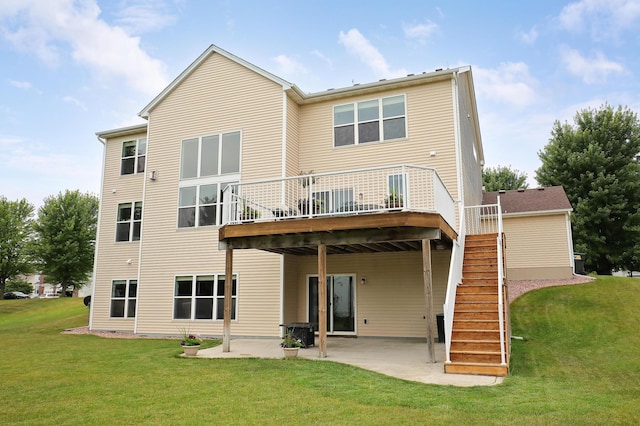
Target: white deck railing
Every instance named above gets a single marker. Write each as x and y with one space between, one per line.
375 189
455 278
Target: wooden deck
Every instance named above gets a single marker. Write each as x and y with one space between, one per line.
358 233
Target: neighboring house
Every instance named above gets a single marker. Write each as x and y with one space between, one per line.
41 288
537 226
241 193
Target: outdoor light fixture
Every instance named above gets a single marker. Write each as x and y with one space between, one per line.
363 280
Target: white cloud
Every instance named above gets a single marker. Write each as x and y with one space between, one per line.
48 29
289 66
358 45
529 37
139 16
323 57
20 84
76 102
591 70
510 83
420 31
604 18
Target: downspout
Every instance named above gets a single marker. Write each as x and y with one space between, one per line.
97 240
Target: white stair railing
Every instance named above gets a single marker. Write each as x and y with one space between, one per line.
503 358
455 278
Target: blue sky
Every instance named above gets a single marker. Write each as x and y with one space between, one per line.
72 68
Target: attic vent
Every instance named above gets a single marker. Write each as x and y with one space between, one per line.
409 75
520 189
383 79
540 188
502 191
438 69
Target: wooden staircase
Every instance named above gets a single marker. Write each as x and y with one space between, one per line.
475 336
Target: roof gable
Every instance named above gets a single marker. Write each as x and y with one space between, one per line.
543 199
213 49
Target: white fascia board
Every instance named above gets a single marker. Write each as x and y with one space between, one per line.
538 213
210 50
123 131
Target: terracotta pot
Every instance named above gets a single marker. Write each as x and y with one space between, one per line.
190 350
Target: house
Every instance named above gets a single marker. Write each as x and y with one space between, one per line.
241 193
537 226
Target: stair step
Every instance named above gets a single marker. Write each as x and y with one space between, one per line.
477 297
484 346
476 315
486 288
474 324
476 368
478 357
475 334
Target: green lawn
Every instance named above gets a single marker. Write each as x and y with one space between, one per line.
579 364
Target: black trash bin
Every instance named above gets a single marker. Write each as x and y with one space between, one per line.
578 259
440 324
302 331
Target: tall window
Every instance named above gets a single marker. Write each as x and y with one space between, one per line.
210 156
369 121
123 298
202 297
129 221
207 166
133 156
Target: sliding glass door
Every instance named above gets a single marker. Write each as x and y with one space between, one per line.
341 303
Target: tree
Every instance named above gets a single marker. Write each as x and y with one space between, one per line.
596 163
65 238
15 230
20 285
495 179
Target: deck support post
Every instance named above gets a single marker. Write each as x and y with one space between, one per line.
428 296
228 288
322 300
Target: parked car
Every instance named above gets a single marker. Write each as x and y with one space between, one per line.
15 295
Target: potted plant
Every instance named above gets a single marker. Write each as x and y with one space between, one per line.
290 345
190 343
393 201
249 213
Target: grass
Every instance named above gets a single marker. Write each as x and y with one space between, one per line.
578 364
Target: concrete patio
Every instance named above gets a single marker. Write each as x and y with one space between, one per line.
402 358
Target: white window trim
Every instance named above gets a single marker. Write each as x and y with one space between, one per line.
216 180
126 298
380 120
131 221
199 162
193 297
136 157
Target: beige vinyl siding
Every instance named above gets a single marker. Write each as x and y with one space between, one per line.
291 290
219 96
471 169
293 126
537 247
429 110
392 300
113 256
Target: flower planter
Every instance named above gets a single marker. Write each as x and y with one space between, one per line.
190 350
290 352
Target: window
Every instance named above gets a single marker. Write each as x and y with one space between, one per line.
207 166
133 156
129 221
202 297
123 298
336 200
374 118
210 156
201 205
